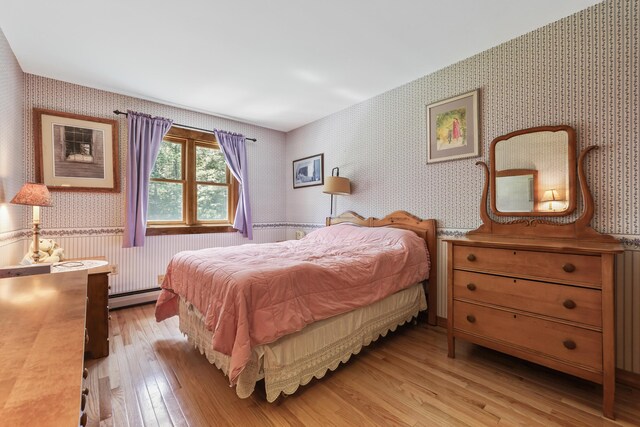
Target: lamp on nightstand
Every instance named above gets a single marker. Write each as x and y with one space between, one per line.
35 195
335 184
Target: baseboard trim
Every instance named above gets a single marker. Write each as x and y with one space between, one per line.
441 321
129 299
632 379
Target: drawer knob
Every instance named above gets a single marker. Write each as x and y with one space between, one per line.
471 318
471 287
569 303
569 344
83 402
83 419
85 391
471 257
85 373
569 268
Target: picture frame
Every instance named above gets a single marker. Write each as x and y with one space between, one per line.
308 171
452 128
75 152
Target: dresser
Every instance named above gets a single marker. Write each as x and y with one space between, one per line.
42 337
549 301
97 301
98 311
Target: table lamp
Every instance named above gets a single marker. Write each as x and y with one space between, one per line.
35 195
335 184
551 196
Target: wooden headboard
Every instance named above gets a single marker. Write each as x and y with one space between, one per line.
425 228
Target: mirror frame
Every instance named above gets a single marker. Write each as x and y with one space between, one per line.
571 164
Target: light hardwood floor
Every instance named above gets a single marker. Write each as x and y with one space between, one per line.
153 377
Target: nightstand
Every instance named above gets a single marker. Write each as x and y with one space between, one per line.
97 308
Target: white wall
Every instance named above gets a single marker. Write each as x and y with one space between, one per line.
12 153
582 71
91 224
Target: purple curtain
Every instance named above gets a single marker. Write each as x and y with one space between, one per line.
234 149
145 138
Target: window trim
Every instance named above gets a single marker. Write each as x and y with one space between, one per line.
190 139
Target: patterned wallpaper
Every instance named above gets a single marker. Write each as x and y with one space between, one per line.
583 71
12 218
83 210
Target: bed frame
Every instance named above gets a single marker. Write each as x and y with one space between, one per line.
425 228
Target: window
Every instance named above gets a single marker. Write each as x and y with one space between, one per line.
191 189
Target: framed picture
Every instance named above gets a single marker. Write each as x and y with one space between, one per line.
76 153
452 128
309 171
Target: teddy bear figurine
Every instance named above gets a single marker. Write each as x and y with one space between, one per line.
49 252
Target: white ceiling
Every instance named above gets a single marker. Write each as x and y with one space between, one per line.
278 63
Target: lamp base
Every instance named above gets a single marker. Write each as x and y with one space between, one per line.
36 243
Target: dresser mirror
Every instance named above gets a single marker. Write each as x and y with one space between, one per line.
533 172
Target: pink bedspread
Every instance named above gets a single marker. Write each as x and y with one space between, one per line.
256 293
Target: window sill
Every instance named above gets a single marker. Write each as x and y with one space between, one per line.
171 230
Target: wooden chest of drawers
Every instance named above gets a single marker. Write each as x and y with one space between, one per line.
42 337
548 301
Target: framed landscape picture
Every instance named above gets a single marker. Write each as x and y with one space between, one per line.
452 128
309 171
76 153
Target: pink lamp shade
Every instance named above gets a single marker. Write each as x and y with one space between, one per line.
32 194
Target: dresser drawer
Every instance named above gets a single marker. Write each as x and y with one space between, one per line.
567 343
582 305
569 268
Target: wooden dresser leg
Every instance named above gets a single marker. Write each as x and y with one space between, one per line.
608 400
452 346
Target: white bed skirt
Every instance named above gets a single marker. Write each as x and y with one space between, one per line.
296 359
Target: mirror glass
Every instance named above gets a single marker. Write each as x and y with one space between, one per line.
533 172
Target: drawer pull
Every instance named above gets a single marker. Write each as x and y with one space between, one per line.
83 419
85 373
569 303
471 318
471 287
569 344
569 268
83 402
471 257
85 391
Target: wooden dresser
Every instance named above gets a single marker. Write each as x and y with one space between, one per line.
42 337
550 301
98 312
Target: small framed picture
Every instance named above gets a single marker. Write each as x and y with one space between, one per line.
76 153
452 128
309 171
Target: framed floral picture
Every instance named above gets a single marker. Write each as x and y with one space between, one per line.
309 171
452 128
76 153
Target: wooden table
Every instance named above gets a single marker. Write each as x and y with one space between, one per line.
42 335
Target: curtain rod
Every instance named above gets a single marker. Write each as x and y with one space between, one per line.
118 112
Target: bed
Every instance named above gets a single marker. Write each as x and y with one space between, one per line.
289 312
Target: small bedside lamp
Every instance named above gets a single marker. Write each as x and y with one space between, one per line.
335 184
35 195
551 196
